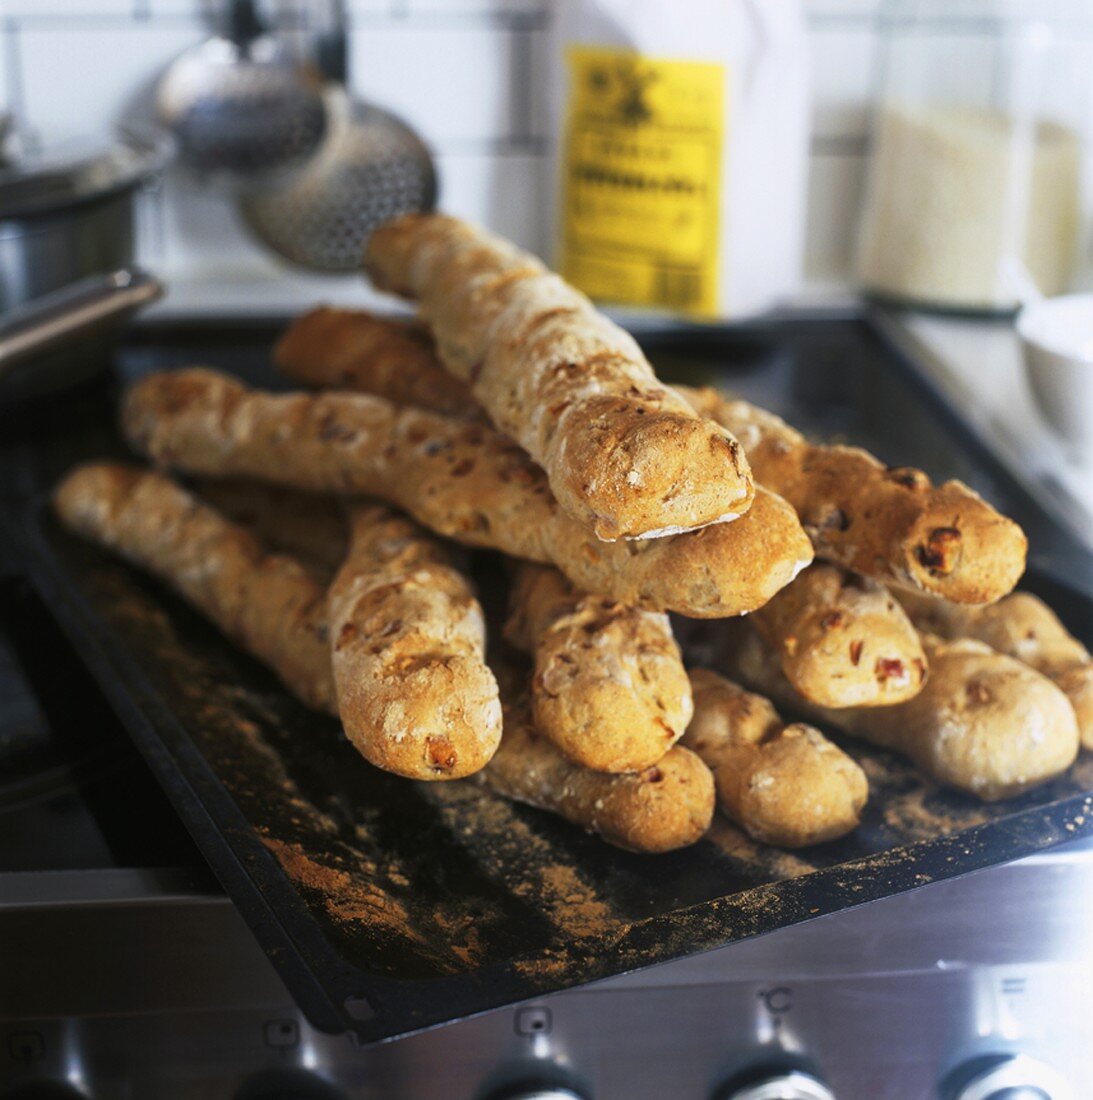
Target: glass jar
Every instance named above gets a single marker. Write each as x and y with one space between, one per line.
974 196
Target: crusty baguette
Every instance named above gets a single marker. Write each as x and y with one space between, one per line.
342 349
667 806
984 723
784 784
306 526
843 640
271 607
459 479
625 455
609 690
268 604
1021 626
890 523
407 643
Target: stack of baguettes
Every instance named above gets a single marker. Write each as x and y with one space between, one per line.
512 415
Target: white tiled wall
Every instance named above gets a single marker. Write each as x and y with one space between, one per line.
68 67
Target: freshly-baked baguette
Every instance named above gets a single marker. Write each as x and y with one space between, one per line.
272 608
890 523
609 690
306 526
625 455
784 784
407 643
343 349
843 640
984 722
268 604
1021 626
459 479
667 806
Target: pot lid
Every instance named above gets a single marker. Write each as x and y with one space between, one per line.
75 173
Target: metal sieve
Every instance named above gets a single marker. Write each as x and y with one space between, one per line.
369 167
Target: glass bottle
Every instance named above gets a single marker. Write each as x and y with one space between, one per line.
974 197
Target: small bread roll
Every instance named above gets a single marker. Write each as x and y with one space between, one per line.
609 690
843 640
1021 626
784 784
984 723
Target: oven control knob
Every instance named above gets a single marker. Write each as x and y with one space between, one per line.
1006 1077
792 1084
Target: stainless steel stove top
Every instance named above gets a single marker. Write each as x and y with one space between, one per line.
146 983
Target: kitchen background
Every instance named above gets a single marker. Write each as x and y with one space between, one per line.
69 66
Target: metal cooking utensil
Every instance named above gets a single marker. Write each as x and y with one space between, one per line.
370 167
241 106
37 340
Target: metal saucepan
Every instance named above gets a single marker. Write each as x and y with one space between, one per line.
67 216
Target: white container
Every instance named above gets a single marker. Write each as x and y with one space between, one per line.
1057 338
681 152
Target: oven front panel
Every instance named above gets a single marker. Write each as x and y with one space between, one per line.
884 1002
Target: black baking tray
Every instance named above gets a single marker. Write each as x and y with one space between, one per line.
389 906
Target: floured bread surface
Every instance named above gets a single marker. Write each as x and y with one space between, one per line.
1021 626
665 807
609 689
407 644
890 523
267 603
459 479
625 455
843 640
343 349
983 723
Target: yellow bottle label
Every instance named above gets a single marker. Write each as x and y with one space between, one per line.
641 179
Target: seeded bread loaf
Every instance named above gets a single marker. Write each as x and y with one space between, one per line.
843 640
1021 626
784 784
458 479
270 606
984 723
267 604
408 645
667 806
624 455
342 349
609 689
890 523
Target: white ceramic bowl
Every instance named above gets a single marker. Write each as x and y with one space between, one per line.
1057 338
